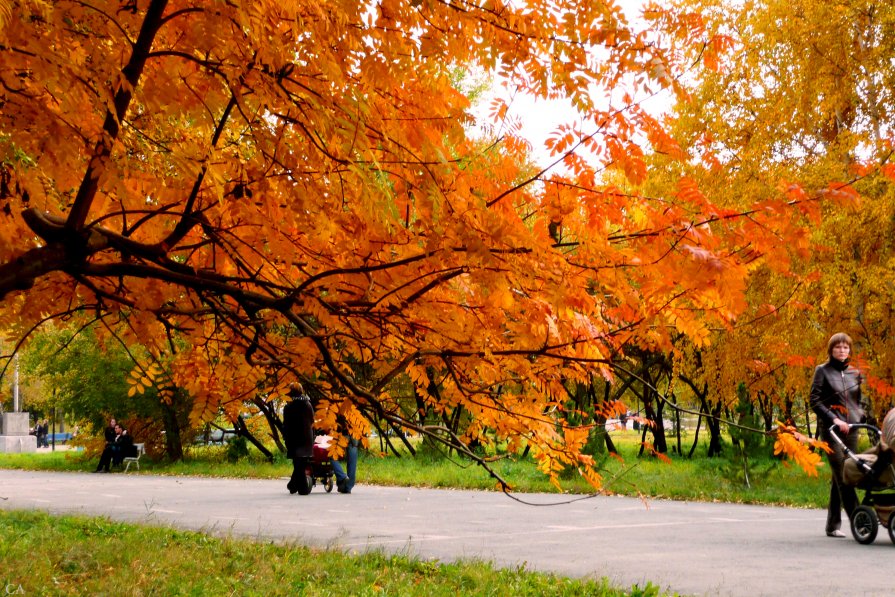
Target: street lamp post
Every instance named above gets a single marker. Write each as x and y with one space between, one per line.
15 388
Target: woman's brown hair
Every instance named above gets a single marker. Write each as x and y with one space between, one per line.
837 339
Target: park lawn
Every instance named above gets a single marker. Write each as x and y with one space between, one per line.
75 555
772 481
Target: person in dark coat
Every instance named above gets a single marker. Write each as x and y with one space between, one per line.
109 432
43 430
109 435
298 433
115 451
836 399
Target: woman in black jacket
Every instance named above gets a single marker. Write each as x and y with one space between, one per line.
836 399
298 433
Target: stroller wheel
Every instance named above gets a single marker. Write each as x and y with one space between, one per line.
892 526
864 525
305 487
305 482
328 486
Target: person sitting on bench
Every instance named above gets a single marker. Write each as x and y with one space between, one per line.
115 451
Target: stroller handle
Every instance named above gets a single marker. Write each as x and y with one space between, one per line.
863 426
848 453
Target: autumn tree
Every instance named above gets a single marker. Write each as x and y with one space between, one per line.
800 103
289 187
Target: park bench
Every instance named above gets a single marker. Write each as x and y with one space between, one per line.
129 460
216 437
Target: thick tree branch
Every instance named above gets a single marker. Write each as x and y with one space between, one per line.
112 125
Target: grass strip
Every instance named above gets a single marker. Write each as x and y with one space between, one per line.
42 554
772 482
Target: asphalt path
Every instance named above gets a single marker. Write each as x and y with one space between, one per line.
688 547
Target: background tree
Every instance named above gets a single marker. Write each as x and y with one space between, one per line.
88 380
796 100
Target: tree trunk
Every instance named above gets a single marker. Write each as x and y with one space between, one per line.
661 442
273 421
677 426
766 407
696 435
610 446
173 441
242 431
713 422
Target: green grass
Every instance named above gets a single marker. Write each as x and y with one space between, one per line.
700 478
69 555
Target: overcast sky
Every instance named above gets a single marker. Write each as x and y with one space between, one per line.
540 117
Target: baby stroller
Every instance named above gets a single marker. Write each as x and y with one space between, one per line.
318 467
322 464
872 471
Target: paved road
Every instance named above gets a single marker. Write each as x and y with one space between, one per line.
691 548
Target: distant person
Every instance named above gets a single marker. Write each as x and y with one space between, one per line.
116 450
41 431
109 436
836 399
298 433
109 432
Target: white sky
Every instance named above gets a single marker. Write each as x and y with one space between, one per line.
539 118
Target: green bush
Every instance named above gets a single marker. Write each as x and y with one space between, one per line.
237 449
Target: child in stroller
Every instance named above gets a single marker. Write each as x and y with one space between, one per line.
874 472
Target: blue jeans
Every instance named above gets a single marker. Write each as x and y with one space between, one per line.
350 463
